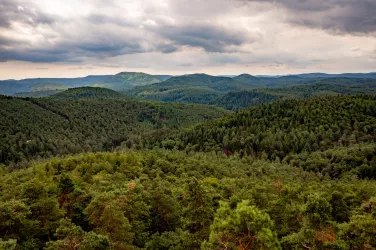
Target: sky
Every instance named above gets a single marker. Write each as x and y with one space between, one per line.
70 38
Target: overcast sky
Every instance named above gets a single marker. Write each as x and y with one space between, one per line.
69 38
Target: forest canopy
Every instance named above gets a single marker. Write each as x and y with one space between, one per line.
291 174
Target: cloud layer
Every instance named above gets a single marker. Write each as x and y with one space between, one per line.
337 16
191 35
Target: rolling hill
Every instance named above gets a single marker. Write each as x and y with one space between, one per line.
126 80
253 81
284 129
10 87
43 90
245 99
163 77
48 127
37 94
371 75
196 88
88 93
285 175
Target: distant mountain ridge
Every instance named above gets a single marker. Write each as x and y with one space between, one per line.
245 99
194 88
10 87
126 80
371 75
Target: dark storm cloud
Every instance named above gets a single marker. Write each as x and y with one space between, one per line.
337 16
209 37
35 55
21 11
167 48
103 36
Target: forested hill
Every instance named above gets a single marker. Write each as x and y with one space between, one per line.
244 99
254 82
293 80
126 80
44 127
10 87
196 88
248 189
171 200
89 92
278 130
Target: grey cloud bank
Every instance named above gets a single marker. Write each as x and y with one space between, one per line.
219 36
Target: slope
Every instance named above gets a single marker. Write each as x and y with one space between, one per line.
244 99
44 127
278 130
170 200
88 92
126 80
10 87
196 88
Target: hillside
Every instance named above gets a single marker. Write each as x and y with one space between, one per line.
253 81
279 130
283 175
245 99
371 75
163 77
48 127
88 92
42 90
297 80
126 80
170 200
274 82
37 94
201 88
10 87
46 87
196 88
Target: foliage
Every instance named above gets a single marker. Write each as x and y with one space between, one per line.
163 199
293 174
32 128
245 99
10 87
197 88
126 80
291 130
88 92
246 227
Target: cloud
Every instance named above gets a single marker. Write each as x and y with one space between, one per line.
32 33
36 55
23 12
356 17
212 38
190 36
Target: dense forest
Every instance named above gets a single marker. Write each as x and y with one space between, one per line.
88 93
44 127
90 168
245 90
244 99
11 87
196 88
170 200
281 129
126 80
